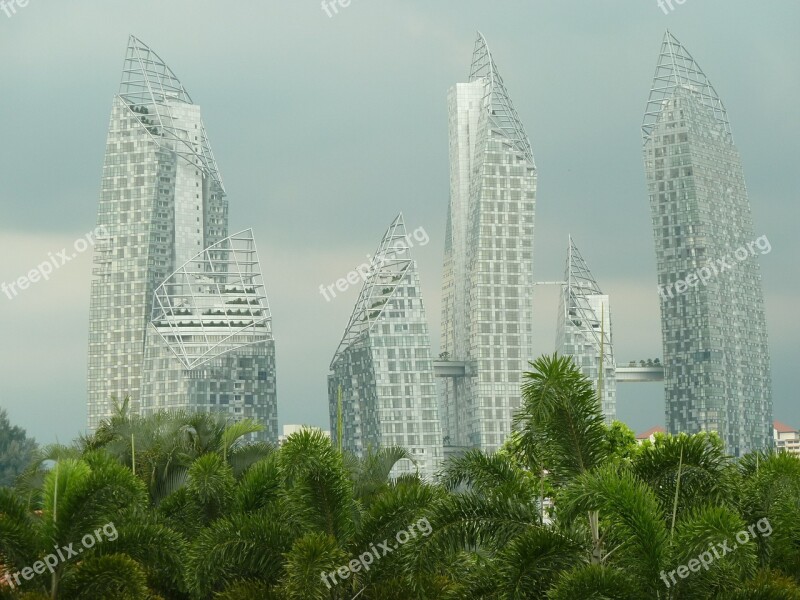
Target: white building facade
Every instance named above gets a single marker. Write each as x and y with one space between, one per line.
716 352
163 205
381 387
584 332
487 285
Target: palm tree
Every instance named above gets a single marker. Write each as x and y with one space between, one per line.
95 507
562 426
199 513
161 448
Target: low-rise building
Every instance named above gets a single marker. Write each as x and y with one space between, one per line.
787 439
650 434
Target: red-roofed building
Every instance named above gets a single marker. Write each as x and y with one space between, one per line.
787 439
650 434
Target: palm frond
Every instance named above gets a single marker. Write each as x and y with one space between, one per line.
110 577
595 582
242 457
632 521
238 548
488 474
706 473
561 418
317 489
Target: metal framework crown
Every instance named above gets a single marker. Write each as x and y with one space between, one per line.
387 271
215 303
677 70
502 114
150 89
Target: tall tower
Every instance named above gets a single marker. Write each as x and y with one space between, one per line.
209 345
382 370
487 285
584 330
716 354
162 204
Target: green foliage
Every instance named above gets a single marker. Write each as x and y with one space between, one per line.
317 486
260 487
489 474
635 534
595 582
531 563
16 450
240 547
560 420
166 444
201 514
310 557
248 590
112 577
621 442
370 474
703 529
210 486
706 472
766 585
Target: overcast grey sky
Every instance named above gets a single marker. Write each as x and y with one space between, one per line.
325 128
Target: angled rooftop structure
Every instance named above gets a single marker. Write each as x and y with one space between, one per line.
388 267
157 97
381 387
714 333
502 114
214 303
487 281
209 344
677 70
584 329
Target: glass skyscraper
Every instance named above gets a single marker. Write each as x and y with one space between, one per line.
487 285
716 354
584 330
209 346
164 208
381 387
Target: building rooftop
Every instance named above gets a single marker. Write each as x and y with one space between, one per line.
651 431
782 427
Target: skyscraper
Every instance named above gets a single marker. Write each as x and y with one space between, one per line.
209 345
382 371
162 203
584 329
716 354
487 285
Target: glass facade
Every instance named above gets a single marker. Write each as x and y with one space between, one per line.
716 353
382 372
487 284
209 344
584 330
162 202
